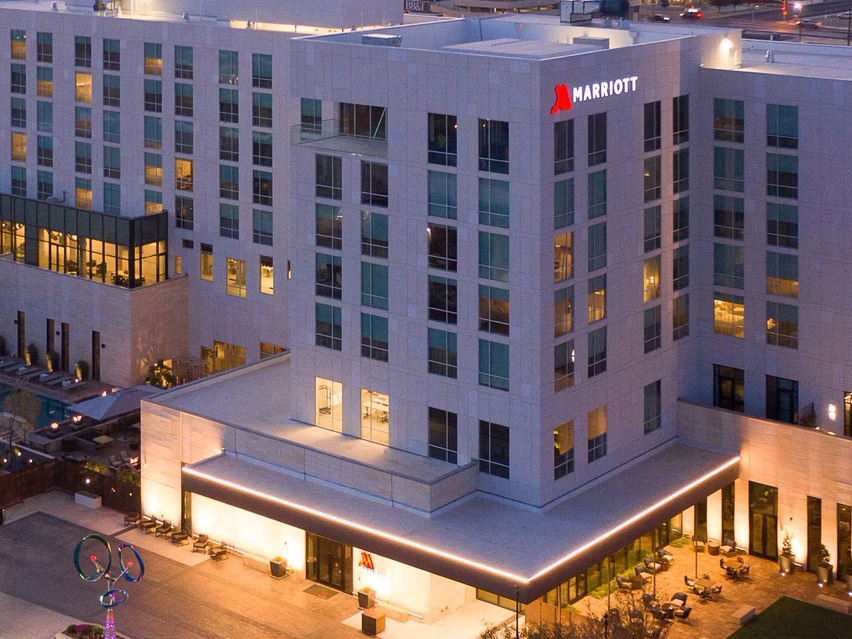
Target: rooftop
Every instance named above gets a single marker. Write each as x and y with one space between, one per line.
823 61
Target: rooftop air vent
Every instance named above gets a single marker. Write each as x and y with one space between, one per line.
381 40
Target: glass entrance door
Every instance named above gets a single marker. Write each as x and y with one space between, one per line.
763 520
329 562
814 532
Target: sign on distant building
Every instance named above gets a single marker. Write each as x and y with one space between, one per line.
566 97
417 6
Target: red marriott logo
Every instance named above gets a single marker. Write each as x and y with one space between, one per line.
565 99
367 561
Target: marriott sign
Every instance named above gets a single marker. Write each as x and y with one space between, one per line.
565 97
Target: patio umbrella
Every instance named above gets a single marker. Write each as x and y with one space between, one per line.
121 402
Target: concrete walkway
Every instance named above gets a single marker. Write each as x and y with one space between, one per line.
23 620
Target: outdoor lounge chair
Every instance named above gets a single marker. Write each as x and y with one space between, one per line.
651 565
218 553
200 544
640 571
716 589
665 555
729 548
623 584
148 525
683 614
164 530
650 601
132 519
689 582
180 538
114 462
679 599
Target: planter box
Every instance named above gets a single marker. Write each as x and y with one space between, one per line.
88 499
278 569
366 598
372 622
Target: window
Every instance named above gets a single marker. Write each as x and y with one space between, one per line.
374 236
229 182
442 195
111 55
493 449
728 169
229 106
728 120
563 450
680 268
680 317
782 126
680 171
329 404
44 150
563 311
374 337
493 310
262 227
235 284
112 90
329 327
19 147
563 203
183 174
782 225
83 122
651 278
374 183
782 175
44 187
493 256
653 328
153 201
229 67
44 116
597 352
596 300
375 414
311 119
268 350
443 353
680 219
154 169
329 226
597 194
442 247
494 146
494 202
83 51
184 213
363 121
261 70
262 188
183 63
153 132
653 407
680 119
443 135
83 87
782 399
597 433
728 217
19 181
261 148
493 364
112 199
653 228
261 109
652 178
44 47
184 137
728 387
19 113
83 157
563 366
728 315
329 177
443 299
563 147
782 274
597 139
374 285
597 246
83 193
44 84
229 144
153 58
18 79
563 256
782 325
653 126
229 221
183 100
329 276
153 96
728 265
206 262
443 435
112 127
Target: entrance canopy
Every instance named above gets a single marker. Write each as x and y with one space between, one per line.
506 548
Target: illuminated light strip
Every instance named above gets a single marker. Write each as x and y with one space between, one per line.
446 555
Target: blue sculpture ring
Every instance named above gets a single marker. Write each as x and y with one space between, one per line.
100 571
111 598
125 568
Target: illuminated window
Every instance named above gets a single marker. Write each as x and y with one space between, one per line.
782 325
206 262
329 404
268 350
19 147
494 310
443 435
83 193
782 274
375 417
235 282
183 174
596 300
153 58
267 275
597 433
651 278
83 84
729 315
563 449
154 169
563 311
44 86
153 202
563 366
178 265
19 44
563 256
229 67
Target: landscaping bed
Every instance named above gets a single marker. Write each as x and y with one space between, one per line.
790 618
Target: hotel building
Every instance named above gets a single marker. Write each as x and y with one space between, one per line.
539 283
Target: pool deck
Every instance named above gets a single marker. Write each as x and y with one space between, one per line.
30 381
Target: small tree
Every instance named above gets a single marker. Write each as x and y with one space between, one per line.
160 375
20 412
31 354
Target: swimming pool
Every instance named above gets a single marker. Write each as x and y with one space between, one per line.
52 410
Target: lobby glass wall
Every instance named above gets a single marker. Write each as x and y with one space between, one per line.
128 252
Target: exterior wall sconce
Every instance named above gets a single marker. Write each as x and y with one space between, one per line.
832 412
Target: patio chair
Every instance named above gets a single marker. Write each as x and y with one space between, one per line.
651 565
654 633
640 571
743 571
132 518
701 591
623 584
200 544
148 525
218 553
650 601
716 589
679 599
180 538
164 529
689 582
729 548
683 614
636 616
665 555
114 462
662 615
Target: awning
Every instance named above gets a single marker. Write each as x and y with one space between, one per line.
120 402
492 544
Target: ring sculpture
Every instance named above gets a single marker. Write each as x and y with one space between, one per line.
93 561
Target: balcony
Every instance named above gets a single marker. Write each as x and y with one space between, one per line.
326 136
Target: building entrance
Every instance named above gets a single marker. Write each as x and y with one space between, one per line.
763 520
329 562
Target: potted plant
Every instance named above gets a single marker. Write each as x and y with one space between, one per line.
81 369
847 570
824 566
31 354
785 561
52 360
278 567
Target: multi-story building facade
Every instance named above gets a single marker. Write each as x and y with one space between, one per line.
541 291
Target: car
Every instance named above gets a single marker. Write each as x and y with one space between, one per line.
692 14
659 17
807 22
846 15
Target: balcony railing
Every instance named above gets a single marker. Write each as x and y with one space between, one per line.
326 135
